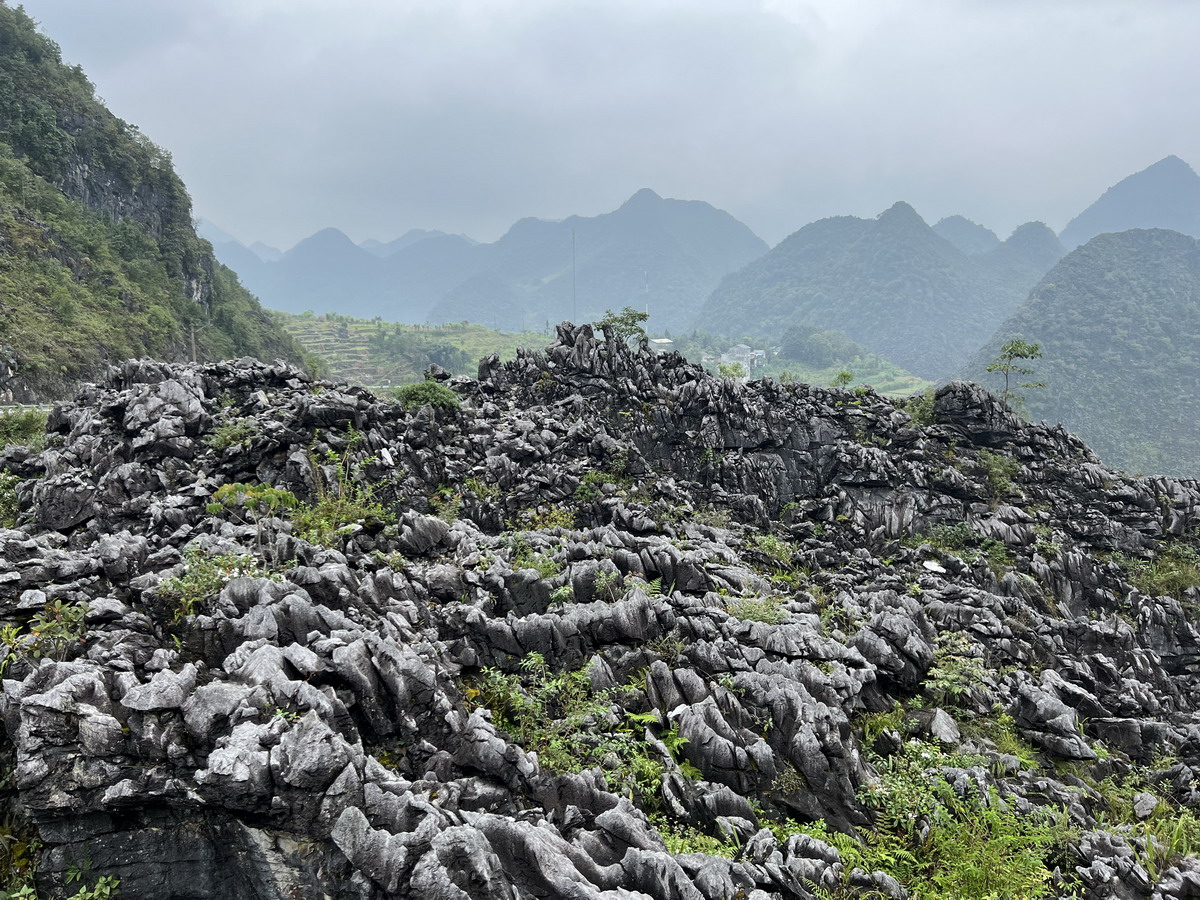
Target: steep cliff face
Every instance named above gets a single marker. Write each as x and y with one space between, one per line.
98 256
611 628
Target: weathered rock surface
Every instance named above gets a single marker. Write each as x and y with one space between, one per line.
737 571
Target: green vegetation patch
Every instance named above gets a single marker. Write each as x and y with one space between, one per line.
51 634
427 393
572 727
23 426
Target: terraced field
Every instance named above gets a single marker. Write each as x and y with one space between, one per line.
376 353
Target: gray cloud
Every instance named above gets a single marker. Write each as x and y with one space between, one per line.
285 116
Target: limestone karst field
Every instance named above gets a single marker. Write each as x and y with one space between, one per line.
595 624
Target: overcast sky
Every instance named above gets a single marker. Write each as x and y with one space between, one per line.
377 116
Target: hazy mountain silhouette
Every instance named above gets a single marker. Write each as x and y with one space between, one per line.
1118 321
969 237
1166 195
265 252
666 255
651 253
413 236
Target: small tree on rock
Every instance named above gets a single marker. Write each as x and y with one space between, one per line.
626 324
1009 363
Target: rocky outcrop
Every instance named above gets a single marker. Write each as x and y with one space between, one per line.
606 604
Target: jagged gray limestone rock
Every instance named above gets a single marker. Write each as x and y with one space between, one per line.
738 571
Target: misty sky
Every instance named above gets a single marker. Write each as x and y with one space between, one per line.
377 116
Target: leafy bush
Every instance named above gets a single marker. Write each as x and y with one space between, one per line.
591 485
1176 569
427 393
445 503
769 610
23 426
554 517
8 499
481 489
341 504
944 846
957 672
920 407
624 325
231 434
202 579
1000 471
573 728
958 536
1168 834
51 634
608 585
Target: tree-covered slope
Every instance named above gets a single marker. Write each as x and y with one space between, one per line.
891 284
1166 195
99 260
1118 321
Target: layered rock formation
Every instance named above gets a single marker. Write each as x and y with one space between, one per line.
660 622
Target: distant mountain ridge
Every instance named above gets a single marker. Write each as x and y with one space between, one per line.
1118 322
892 284
1165 195
969 237
652 252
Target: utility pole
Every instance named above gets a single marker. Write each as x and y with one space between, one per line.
574 302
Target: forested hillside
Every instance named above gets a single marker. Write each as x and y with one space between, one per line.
1118 321
891 283
99 260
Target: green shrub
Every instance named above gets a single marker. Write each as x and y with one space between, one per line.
1174 570
591 485
1162 839
957 670
23 426
481 489
249 504
680 839
1000 471
445 503
956 537
341 504
942 846
920 407
573 728
203 577
8 499
231 434
758 609
427 393
608 585
51 634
